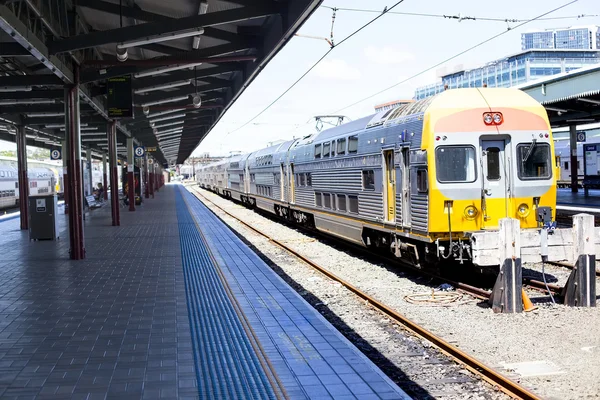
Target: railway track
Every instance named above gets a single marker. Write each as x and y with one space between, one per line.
569 266
475 366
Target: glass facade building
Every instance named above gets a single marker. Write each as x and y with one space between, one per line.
513 70
573 38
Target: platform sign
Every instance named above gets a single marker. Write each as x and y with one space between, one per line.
581 137
590 155
55 154
139 151
119 97
151 149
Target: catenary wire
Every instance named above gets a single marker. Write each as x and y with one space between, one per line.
459 17
317 63
456 55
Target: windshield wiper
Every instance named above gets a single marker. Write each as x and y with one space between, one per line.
530 150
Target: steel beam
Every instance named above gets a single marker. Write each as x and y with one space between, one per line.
160 28
22 173
12 50
75 181
33 94
202 74
30 80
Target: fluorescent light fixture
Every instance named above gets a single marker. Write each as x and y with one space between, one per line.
162 87
165 112
169 124
46 114
167 117
158 71
176 129
26 101
170 139
85 128
55 126
589 101
167 100
93 139
10 89
160 38
556 109
93 134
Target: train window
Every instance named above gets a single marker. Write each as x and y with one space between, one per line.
317 151
422 181
326 147
534 161
333 148
318 200
455 163
352 144
368 179
1 174
302 179
326 200
341 202
309 179
341 146
493 163
353 204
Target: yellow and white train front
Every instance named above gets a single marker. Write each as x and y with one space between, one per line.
490 157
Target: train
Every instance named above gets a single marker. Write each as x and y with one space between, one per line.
415 181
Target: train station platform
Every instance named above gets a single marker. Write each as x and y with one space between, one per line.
565 199
169 305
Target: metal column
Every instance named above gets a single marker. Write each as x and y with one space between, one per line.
573 147
130 174
104 182
65 157
156 181
146 191
88 157
151 179
23 180
114 174
74 182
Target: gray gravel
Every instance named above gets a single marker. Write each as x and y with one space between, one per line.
567 337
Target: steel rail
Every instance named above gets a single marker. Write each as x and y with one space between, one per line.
491 376
563 264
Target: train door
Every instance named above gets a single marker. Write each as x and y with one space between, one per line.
247 177
405 163
495 182
389 185
292 185
282 182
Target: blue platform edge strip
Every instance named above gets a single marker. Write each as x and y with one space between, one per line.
312 358
227 366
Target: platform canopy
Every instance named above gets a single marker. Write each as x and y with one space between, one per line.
571 98
188 61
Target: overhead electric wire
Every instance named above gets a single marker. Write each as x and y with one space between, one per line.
455 56
459 17
333 46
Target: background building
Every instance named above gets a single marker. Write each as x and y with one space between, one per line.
573 38
391 104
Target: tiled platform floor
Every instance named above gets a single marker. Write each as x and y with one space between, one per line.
116 325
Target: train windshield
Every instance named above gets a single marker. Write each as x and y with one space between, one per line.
534 161
455 164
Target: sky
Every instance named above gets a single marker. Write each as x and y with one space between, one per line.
390 50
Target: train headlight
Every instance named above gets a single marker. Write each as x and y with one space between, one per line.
523 210
497 118
470 212
487 118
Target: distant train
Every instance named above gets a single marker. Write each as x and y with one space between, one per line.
416 180
41 181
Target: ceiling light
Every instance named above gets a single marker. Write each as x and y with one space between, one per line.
158 71
162 87
26 101
93 139
168 117
589 101
122 54
196 42
556 109
167 100
160 38
45 114
177 128
166 112
168 124
89 128
10 89
146 110
54 126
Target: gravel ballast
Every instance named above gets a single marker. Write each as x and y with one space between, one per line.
567 339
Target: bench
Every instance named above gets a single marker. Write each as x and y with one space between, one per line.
92 202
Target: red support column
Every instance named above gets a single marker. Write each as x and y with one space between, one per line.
74 182
114 173
104 177
156 179
65 186
22 172
130 174
146 189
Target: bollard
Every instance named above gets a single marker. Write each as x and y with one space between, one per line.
580 290
506 295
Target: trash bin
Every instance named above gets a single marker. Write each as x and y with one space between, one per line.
43 212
